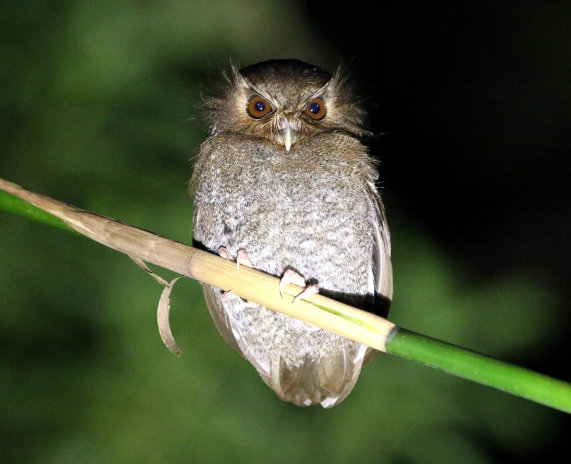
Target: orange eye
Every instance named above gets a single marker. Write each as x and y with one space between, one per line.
258 107
315 109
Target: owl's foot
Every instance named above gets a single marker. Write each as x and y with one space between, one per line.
224 253
292 277
241 258
228 296
312 289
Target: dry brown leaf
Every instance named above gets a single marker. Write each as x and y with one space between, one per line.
163 311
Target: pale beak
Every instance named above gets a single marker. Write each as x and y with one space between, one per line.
287 136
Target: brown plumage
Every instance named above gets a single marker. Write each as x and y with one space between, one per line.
283 176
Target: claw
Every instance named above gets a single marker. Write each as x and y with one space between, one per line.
243 259
307 291
227 296
223 251
291 277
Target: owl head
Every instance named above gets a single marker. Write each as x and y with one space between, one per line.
284 101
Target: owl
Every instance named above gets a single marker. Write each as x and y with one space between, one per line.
283 184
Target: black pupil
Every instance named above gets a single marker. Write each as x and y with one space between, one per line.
260 106
314 108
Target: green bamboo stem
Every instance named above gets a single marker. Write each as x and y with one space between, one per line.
479 368
15 205
318 310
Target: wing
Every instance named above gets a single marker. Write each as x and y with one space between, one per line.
382 271
219 317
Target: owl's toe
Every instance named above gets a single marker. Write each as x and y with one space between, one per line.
243 259
224 253
292 277
307 291
227 296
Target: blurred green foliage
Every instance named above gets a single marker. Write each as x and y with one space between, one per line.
100 108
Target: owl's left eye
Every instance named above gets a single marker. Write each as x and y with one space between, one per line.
258 107
315 109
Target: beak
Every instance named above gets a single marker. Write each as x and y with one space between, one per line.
287 135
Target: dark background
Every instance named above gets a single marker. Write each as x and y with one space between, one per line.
471 103
470 106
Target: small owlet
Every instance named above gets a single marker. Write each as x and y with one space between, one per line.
283 184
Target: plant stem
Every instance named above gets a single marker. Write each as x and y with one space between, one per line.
352 323
15 205
479 368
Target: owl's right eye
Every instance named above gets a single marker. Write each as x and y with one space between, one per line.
258 107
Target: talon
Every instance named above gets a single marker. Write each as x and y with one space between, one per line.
224 253
308 291
227 296
291 277
244 259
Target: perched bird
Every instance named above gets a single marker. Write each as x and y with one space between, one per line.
283 184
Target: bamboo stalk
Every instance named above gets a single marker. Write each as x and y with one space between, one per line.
208 268
349 322
479 368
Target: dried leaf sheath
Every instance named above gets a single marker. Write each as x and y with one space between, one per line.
163 312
